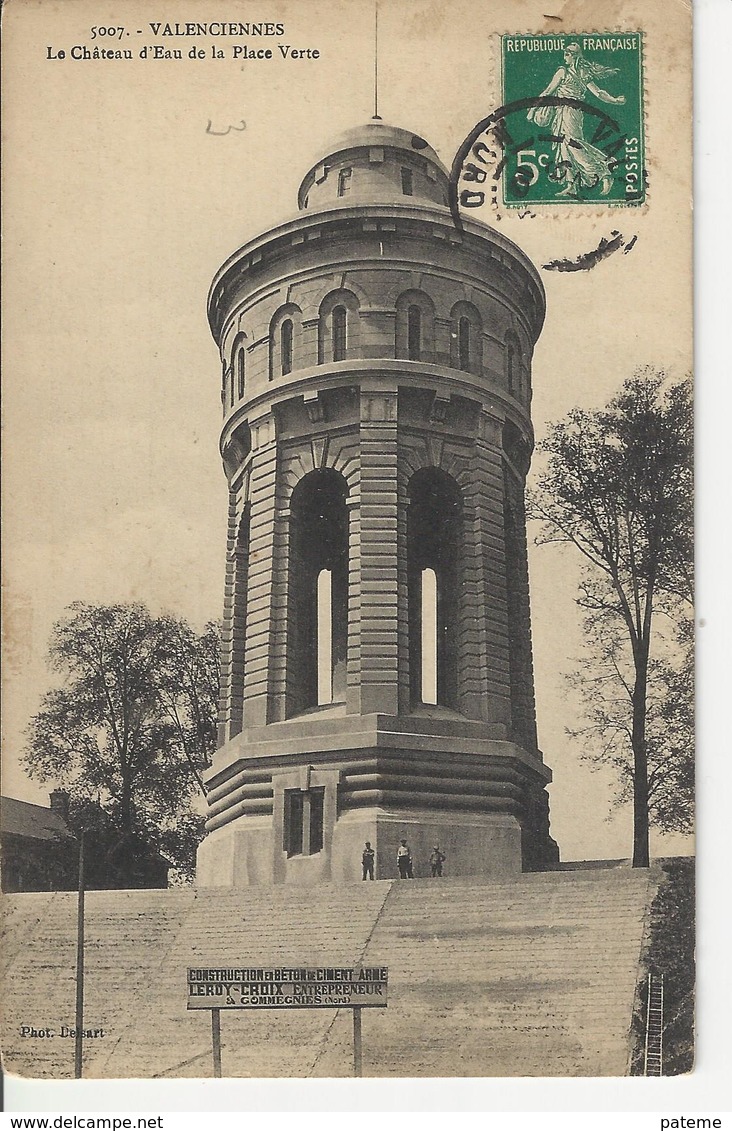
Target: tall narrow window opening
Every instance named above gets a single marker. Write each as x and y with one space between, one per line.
344 181
511 374
339 324
407 182
429 636
317 609
240 371
434 538
303 821
293 826
414 333
464 343
324 630
286 346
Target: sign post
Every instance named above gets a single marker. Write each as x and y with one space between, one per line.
79 1034
357 1041
216 1041
287 987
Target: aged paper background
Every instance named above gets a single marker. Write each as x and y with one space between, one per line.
119 208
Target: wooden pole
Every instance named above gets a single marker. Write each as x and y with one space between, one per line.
79 1036
357 1059
216 1041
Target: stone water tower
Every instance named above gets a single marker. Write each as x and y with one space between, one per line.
377 677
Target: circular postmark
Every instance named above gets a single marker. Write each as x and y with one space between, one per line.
545 150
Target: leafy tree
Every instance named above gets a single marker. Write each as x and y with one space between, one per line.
121 731
618 487
188 683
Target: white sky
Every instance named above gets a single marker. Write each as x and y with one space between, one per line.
119 208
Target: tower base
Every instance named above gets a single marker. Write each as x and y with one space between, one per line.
241 854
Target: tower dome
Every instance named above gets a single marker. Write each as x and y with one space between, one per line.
375 162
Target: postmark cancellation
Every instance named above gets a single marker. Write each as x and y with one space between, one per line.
570 127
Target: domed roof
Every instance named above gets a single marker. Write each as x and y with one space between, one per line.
377 133
360 147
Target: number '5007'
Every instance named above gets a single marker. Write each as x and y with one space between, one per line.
110 32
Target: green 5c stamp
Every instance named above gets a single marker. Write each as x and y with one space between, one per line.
571 124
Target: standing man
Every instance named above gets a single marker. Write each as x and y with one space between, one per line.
436 861
404 861
367 859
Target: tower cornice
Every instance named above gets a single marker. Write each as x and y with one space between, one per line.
445 381
308 228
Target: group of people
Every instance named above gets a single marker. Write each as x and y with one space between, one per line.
405 867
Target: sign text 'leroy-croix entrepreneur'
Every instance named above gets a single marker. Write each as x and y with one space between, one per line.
286 987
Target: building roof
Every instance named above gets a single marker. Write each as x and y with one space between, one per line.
21 818
378 133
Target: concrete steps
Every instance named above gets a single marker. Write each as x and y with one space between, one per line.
330 924
533 976
126 935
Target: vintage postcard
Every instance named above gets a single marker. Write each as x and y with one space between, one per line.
348 512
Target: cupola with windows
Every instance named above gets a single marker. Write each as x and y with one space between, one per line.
378 163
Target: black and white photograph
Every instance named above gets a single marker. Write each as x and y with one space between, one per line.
349 540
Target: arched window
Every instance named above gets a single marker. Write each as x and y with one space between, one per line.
339 330
240 371
429 636
414 333
231 389
466 337
415 326
286 346
285 340
434 535
464 343
317 611
338 333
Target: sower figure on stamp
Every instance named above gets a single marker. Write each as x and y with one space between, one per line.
367 860
404 861
577 162
437 859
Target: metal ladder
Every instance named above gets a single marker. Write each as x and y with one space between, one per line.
653 1059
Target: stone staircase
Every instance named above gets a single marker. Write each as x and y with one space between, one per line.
533 976
127 935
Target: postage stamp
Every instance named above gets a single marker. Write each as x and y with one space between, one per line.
571 123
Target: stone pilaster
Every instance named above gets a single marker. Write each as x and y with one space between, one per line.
261 555
523 709
378 596
493 582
